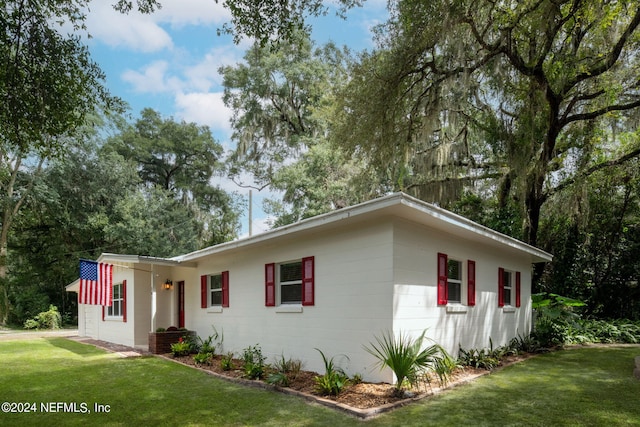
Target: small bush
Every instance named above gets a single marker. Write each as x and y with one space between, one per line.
203 358
334 378
253 365
356 378
286 371
525 344
211 344
181 348
31 324
226 363
50 319
477 358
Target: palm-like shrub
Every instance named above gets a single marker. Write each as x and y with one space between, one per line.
408 360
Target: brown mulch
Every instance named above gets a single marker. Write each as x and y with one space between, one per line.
360 396
362 400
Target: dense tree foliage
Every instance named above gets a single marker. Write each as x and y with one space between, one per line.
73 201
505 112
594 233
49 85
276 96
281 97
321 180
465 91
181 159
94 200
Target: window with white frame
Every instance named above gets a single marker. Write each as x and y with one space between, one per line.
215 290
454 281
115 310
507 286
290 282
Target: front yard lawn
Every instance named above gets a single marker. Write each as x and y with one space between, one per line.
587 386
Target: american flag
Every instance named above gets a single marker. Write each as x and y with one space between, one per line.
96 283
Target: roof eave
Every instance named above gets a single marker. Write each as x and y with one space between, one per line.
390 201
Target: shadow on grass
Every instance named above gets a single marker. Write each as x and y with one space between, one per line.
74 347
577 387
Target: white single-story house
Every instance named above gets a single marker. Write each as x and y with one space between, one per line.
332 282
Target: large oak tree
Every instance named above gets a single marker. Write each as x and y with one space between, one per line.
518 92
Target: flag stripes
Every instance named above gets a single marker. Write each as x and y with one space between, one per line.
96 283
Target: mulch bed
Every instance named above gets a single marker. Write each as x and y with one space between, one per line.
361 399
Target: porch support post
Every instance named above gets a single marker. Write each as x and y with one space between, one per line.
154 304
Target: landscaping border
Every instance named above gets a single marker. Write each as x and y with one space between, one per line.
360 413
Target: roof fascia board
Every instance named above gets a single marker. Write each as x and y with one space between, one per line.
379 204
305 224
142 259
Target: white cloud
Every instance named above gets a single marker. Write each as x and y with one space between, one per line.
204 108
204 74
192 12
175 74
134 31
152 79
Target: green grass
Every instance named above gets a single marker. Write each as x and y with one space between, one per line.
590 386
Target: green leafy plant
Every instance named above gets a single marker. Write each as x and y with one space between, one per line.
408 360
212 344
203 358
181 348
50 319
226 363
286 370
478 358
334 378
490 358
555 317
161 330
356 378
205 346
525 344
253 362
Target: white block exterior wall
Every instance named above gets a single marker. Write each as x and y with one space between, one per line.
369 278
415 292
353 294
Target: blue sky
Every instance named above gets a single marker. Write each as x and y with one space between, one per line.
169 61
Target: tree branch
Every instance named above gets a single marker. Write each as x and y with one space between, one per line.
600 112
615 162
610 60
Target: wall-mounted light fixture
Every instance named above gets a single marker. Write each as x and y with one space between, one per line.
168 284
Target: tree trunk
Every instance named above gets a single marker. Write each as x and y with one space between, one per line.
4 294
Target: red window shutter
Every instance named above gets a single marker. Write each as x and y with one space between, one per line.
270 285
203 292
225 289
103 310
471 282
443 290
308 281
124 301
517 289
500 287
